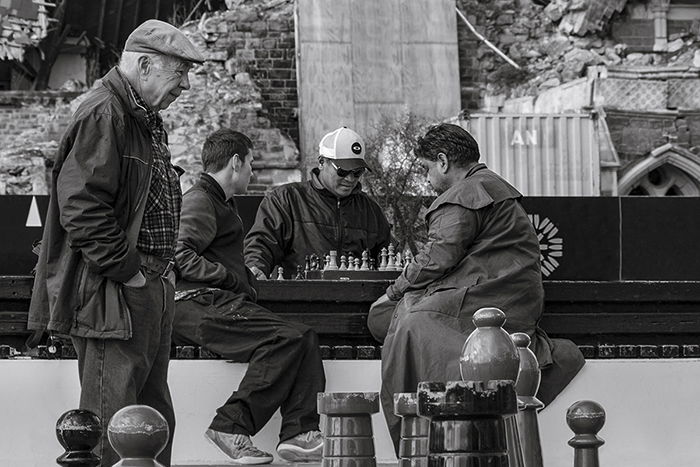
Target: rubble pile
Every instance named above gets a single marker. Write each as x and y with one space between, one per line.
554 44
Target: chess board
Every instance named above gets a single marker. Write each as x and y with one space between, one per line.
347 275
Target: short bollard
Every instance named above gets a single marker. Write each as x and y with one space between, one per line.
138 433
526 387
467 427
585 418
348 435
78 431
413 445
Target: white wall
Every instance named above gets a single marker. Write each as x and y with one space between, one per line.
653 414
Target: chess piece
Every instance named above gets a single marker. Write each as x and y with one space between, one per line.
398 264
357 264
314 262
585 418
280 273
307 264
327 262
372 264
391 260
466 421
78 431
382 259
365 261
351 262
348 435
407 258
300 274
343 263
526 387
413 445
489 353
333 260
138 433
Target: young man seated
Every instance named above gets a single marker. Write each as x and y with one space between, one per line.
215 308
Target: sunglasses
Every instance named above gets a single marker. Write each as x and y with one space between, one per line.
342 173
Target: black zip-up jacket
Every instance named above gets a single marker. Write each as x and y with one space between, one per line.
303 218
209 250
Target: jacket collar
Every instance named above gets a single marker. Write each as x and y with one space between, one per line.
318 186
210 184
117 83
475 169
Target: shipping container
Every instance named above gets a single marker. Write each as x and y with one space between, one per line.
546 154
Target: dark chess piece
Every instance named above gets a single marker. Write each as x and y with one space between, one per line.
78 431
526 387
413 446
300 273
138 433
585 418
348 434
467 427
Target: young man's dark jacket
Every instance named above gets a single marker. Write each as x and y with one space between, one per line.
101 174
304 218
209 249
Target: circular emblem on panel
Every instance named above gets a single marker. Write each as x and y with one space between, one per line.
551 246
356 148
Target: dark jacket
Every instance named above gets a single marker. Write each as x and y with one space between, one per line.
303 218
209 249
482 251
101 174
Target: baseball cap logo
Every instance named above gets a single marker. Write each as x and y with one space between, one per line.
356 148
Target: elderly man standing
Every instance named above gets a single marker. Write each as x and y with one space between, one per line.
104 274
481 251
328 212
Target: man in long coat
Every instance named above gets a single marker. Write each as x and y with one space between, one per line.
482 251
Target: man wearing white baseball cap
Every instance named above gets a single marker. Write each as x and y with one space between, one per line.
327 212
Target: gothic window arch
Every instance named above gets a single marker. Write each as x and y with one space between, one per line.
669 170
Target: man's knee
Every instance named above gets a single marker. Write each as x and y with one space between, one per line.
379 317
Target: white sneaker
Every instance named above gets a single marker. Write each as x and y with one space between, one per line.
238 447
304 447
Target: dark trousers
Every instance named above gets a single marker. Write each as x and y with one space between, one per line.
116 373
285 369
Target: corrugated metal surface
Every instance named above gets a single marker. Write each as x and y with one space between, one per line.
540 154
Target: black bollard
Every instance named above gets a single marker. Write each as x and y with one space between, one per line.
413 446
348 435
467 427
526 387
585 418
78 431
138 433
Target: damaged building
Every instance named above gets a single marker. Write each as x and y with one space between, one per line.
601 97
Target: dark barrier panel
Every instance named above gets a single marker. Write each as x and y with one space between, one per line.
581 238
588 231
660 238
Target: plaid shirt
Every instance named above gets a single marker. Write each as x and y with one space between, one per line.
161 219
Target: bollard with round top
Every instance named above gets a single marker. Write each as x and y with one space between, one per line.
467 426
413 445
138 433
526 387
585 418
78 431
348 435
489 354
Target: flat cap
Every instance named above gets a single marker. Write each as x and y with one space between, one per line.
154 36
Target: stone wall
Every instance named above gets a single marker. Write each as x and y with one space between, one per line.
248 83
555 44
